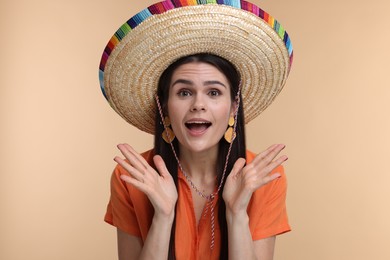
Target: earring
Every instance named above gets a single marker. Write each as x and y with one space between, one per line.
168 135
230 134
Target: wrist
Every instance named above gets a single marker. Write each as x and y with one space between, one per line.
237 217
164 219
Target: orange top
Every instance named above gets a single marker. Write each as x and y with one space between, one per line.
130 210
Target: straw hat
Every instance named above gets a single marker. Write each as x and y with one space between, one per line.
142 48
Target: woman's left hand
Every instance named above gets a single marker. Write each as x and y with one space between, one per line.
243 181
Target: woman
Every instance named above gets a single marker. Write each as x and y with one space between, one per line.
198 193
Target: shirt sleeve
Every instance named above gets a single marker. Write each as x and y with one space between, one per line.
120 210
267 208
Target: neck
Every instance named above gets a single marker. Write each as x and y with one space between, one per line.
200 165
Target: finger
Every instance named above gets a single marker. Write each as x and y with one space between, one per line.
263 154
138 156
268 155
136 183
268 150
267 179
270 167
129 168
135 159
161 167
272 152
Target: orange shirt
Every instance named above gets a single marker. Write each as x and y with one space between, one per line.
130 210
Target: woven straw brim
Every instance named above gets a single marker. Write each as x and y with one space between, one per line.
135 65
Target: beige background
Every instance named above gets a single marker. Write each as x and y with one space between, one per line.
58 134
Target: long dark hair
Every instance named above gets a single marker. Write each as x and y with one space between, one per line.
238 148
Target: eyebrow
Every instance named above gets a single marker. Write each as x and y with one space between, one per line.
188 82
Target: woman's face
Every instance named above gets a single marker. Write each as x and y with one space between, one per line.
199 106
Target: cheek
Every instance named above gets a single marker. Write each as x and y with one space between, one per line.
173 108
173 103
175 113
222 115
224 109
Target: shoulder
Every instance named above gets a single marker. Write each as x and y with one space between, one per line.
148 155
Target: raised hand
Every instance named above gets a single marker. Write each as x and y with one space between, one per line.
159 186
243 181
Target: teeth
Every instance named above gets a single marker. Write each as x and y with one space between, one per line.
197 122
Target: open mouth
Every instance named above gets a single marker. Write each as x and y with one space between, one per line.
198 126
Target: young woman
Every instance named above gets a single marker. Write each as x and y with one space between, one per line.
199 193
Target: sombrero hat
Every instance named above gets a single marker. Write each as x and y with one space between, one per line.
142 48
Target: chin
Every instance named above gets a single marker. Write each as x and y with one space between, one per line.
201 146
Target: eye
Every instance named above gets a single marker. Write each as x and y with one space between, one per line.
214 93
184 93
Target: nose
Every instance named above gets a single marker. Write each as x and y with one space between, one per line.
198 104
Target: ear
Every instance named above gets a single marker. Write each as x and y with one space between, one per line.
233 108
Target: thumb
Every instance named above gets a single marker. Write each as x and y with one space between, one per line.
161 167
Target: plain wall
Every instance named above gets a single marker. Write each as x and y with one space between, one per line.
59 135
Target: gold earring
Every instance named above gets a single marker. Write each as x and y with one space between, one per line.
230 134
168 135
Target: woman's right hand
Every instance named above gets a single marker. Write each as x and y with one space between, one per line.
159 186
